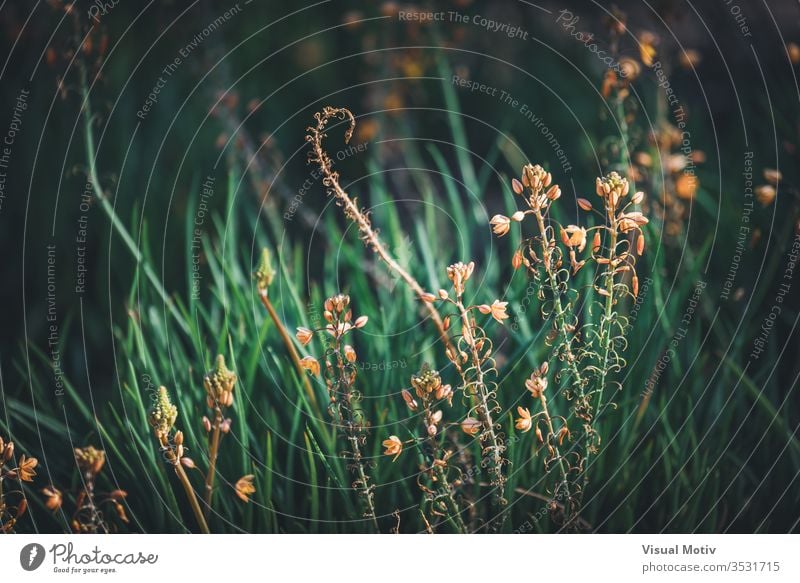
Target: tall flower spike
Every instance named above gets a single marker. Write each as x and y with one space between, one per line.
163 414
265 273
219 384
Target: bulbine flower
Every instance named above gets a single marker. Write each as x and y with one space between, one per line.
630 221
574 236
311 364
537 384
501 224
304 335
471 426
524 423
765 194
393 446
25 471
497 310
244 487
426 381
54 498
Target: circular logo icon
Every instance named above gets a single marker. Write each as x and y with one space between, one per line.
31 556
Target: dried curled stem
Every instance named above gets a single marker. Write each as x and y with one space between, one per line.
358 216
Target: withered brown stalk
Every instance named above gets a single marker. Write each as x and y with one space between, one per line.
352 211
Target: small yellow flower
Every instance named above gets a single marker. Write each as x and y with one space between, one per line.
574 236
772 176
310 363
90 459
393 446
245 488
497 310
54 498
304 335
501 224
459 273
25 471
524 422
631 221
471 426
536 385
163 414
765 194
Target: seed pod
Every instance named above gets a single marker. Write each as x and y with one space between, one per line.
640 244
596 242
516 186
584 204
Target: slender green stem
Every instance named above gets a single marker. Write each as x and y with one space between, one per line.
213 452
605 336
290 348
190 494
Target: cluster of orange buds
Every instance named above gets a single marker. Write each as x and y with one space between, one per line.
539 182
163 415
613 188
459 273
427 384
90 460
244 487
219 384
340 322
766 193
537 383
